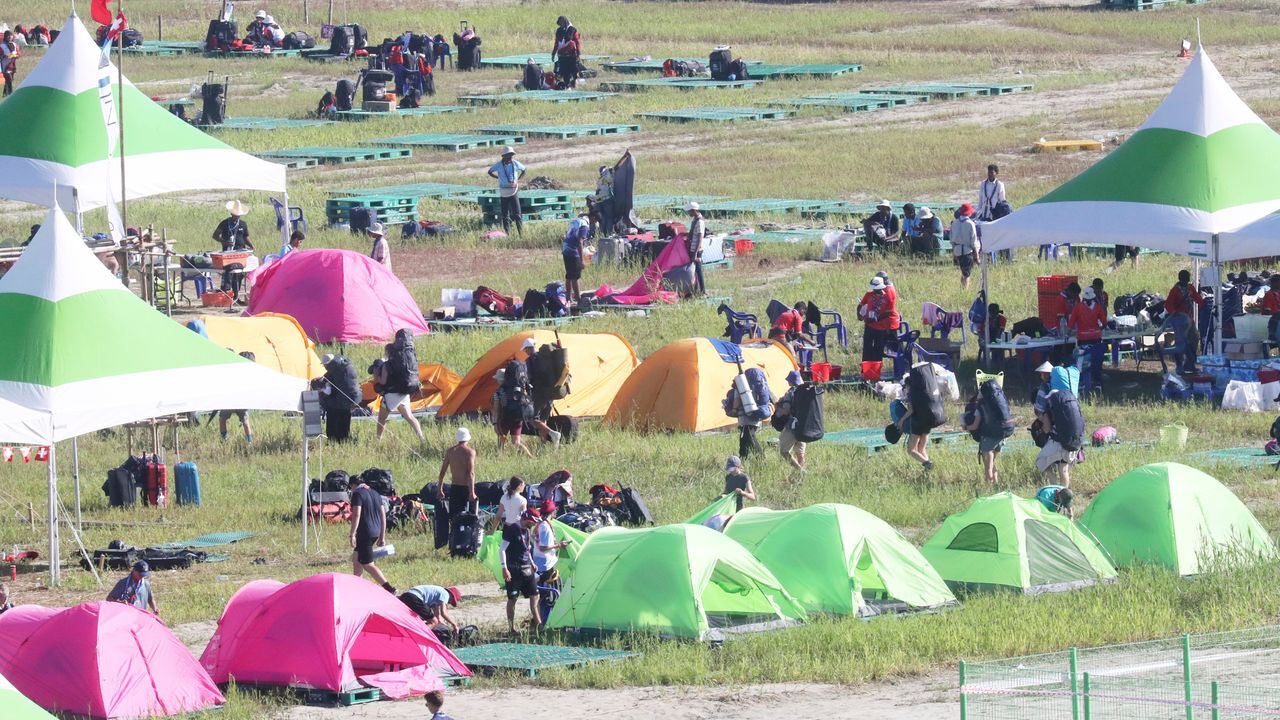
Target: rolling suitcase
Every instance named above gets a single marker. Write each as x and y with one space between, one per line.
465 536
187 478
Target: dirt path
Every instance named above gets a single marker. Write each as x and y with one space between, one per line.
922 698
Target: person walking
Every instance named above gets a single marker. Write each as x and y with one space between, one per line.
368 527
693 242
381 251
508 171
571 252
792 450
395 375
519 572
135 589
9 53
964 243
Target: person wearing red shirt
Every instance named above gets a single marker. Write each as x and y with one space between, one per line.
791 322
1087 319
879 311
565 52
1180 301
1271 306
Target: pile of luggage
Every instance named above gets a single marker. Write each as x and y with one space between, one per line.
551 301
147 478
119 556
330 499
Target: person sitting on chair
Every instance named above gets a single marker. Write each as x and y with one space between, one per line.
882 227
232 233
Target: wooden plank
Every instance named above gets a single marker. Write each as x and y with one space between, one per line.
1065 145
447 141
340 155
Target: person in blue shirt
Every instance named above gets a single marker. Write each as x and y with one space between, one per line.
435 705
508 172
571 251
429 601
135 589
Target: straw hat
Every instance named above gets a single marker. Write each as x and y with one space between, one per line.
377 230
1045 367
925 213
877 283
237 208
884 204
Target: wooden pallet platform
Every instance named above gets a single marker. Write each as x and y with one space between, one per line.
362 115
253 54
717 114
530 659
678 83
847 104
415 190
530 198
765 71
674 203
340 155
329 698
998 89
372 201
846 209
448 141
941 91
497 323
756 206
896 98
300 163
518 61
555 96
797 235
655 65
559 132
266 123
1065 145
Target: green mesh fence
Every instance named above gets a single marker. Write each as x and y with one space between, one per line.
1232 675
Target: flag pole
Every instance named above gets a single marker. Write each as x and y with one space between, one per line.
124 196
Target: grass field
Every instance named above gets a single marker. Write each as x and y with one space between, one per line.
1097 75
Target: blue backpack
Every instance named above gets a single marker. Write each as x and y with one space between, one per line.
759 385
557 300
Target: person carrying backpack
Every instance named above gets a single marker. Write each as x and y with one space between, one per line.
339 393
925 410
511 407
1062 420
783 421
988 420
398 377
751 405
540 394
571 251
566 51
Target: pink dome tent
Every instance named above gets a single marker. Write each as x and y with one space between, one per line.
331 632
336 296
101 660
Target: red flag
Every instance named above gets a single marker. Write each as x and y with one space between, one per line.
26 454
120 24
100 12
7 453
42 453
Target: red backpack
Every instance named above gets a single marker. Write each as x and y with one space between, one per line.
494 302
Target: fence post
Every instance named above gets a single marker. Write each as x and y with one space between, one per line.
1186 675
1086 696
964 701
1075 695
1213 696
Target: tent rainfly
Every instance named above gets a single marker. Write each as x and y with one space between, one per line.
15 706
276 341
55 136
93 355
1176 516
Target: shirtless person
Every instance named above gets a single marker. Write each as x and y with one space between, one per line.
460 463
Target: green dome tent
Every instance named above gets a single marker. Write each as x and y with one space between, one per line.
15 706
1176 516
673 580
830 556
492 544
1005 541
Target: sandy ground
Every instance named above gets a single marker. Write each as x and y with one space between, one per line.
914 699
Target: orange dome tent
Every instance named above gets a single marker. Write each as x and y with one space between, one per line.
681 386
276 341
598 364
438 382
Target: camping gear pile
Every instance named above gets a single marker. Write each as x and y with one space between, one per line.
550 301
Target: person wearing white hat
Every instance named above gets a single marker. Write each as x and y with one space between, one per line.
256 31
459 495
508 171
882 227
878 310
232 233
693 239
381 252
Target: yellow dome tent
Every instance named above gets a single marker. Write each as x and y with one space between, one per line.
438 382
276 341
680 387
598 364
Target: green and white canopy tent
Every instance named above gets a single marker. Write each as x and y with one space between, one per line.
1202 165
84 353
55 134
16 706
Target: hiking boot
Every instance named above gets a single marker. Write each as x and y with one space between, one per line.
927 465
389 588
555 437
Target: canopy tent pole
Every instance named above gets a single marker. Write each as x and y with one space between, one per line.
984 353
1217 297
286 228
55 556
75 475
306 470
124 195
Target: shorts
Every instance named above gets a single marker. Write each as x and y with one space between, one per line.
1052 454
228 414
414 603
572 265
515 429
521 585
920 426
364 548
965 263
787 442
393 401
990 445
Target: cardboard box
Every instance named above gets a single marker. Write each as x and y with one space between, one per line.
446 312
378 106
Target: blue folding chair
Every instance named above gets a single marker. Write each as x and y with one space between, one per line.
740 325
899 349
296 219
923 355
836 324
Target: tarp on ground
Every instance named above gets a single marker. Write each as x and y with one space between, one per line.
16 706
332 632
831 557
670 272
1010 542
437 382
672 580
85 354
336 296
1176 516
1202 163
599 363
55 135
276 341
101 660
681 386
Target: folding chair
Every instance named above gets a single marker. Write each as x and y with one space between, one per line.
836 325
923 355
296 218
941 321
899 349
740 325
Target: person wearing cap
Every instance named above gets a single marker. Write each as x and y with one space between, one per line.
232 233
460 464
508 172
792 449
1100 292
381 251
273 34
1086 321
393 400
429 602
736 481
965 245
135 589
878 311
519 573
929 231
541 396
565 52
254 32
882 227
693 242
546 550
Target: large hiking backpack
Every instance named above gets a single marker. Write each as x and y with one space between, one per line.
637 511
494 302
336 481
806 409
213 102
515 375
924 392
131 37
759 385
1068 422
342 41
719 62
997 421
514 401
535 304
553 371
738 71
402 365
533 78
557 300
344 95
221 34
299 40
346 387
379 480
